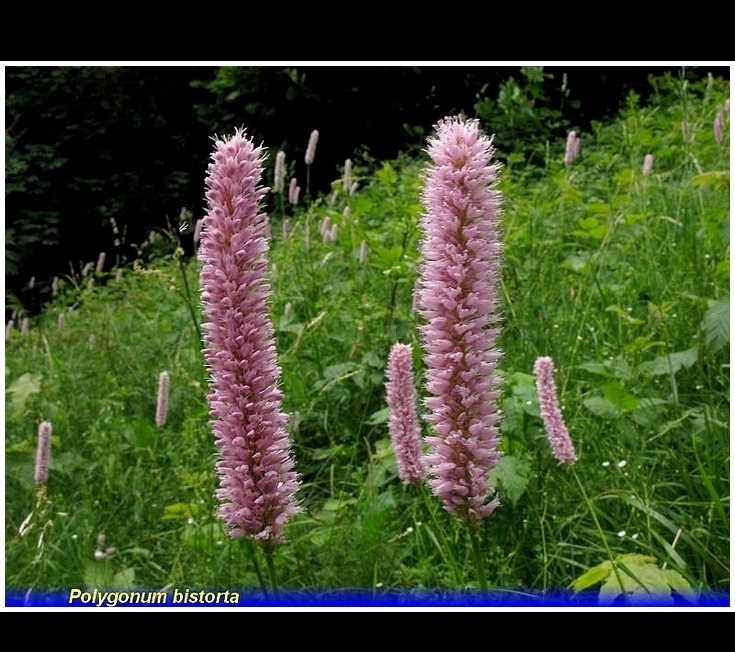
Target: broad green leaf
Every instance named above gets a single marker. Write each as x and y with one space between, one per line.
378 417
639 580
716 324
512 474
20 390
125 579
593 576
670 363
601 407
620 397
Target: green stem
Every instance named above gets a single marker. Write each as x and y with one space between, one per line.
271 571
599 530
256 567
477 554
445 549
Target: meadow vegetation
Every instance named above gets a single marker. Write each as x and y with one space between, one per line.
622 277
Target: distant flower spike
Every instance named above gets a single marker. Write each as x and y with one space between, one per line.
311 148
556 430
403 423
43 453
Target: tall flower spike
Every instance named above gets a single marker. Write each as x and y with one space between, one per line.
258 483
162 401
403 423
43 453
458 297
311 148
556 430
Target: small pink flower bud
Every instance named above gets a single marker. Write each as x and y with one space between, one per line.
100 262
9 330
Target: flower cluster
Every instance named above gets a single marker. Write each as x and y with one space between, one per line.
459 299
403 423
256 470
556 430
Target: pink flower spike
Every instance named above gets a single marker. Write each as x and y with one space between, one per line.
258 483
43 453
292 191
100 262
162 402
347 177
279 172
647 165
458 296
571 150
311 148
719 124
403 423
556 430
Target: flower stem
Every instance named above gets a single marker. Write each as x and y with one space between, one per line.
477 555
599 530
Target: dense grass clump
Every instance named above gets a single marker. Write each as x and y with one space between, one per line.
621 277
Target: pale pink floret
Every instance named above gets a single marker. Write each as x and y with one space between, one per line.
403 423
556 430
457 295
258 483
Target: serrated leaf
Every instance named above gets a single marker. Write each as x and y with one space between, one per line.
512 474
716 324
670 363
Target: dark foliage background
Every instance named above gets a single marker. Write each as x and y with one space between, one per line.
87 144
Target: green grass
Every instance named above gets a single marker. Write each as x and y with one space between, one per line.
622 279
